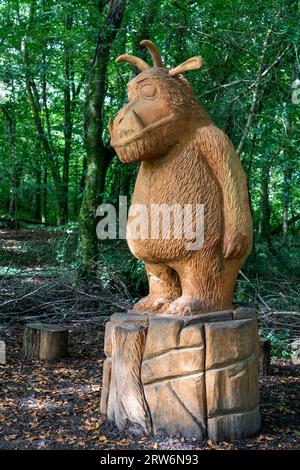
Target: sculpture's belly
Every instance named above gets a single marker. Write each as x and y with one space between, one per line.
168 219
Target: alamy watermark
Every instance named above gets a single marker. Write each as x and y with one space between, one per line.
152 222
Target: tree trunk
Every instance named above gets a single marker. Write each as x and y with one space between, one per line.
98 155
290 223
15 180
35 104
44 195
76 192
68 121
264 357
265 203
45 144
288 169
37 214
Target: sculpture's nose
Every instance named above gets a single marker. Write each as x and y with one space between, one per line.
127 122
115 124
122 114
119 118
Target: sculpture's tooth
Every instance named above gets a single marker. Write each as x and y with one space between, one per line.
110 125
138 119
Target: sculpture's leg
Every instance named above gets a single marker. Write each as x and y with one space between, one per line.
207 285
164 287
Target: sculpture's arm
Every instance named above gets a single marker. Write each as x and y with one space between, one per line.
220 154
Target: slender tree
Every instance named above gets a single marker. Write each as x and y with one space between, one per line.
98 153
14 174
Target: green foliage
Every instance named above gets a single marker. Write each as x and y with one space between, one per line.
66 244
116 264
279 344
229 35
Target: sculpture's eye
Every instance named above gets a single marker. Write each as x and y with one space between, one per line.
148 91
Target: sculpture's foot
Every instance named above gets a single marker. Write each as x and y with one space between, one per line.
153 303
185 306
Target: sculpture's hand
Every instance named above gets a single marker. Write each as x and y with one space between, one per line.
235 245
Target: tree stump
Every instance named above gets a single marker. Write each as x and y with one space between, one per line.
192 376
264 357
45 342
295 346
2 352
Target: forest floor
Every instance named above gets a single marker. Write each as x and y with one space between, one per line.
56 405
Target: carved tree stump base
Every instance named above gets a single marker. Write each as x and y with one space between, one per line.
191 376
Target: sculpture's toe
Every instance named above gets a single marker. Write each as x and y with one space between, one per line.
185 306
152 304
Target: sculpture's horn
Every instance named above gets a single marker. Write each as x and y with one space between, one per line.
157 62
138 63
193 63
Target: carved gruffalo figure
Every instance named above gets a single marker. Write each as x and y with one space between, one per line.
185 159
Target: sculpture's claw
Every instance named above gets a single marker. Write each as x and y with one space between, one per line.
153 304
185 306
235 247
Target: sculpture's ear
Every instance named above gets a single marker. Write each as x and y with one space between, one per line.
193 63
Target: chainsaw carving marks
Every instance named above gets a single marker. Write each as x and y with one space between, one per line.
194 377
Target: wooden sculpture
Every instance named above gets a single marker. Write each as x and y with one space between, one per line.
190 370
185 159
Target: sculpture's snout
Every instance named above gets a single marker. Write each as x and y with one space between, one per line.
127 125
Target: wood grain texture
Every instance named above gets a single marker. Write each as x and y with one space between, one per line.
105 385
126 402
183 376
45 342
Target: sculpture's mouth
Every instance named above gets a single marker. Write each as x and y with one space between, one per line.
130 135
